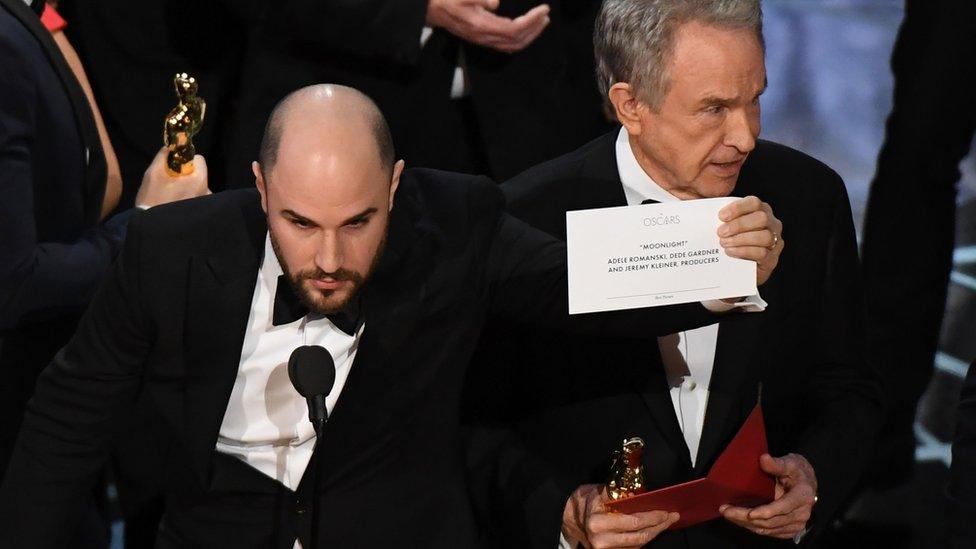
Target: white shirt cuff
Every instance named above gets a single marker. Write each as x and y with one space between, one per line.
564 543
142 207
751 304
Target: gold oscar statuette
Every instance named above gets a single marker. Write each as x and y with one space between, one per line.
181 124
626 472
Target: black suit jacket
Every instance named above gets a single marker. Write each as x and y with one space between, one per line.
168 326
527 107
53 251
583 396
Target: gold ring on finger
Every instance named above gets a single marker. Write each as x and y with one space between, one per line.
775 241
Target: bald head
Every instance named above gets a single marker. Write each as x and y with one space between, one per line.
327 181
343 116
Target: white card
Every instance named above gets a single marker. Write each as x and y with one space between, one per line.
651 255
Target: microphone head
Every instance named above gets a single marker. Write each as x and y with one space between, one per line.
311 370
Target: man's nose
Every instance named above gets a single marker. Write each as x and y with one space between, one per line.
742 128
329 255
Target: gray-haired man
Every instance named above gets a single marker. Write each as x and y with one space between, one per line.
684 78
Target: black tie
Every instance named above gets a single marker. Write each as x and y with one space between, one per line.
288 308
650 201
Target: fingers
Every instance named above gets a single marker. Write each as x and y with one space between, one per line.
752 232
758 239
800 516
740 207
754 221
798 500
776 466
618 522
618 530
739 517
508 35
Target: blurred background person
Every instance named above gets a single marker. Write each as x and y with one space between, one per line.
477 86
133 49
918 169
60 182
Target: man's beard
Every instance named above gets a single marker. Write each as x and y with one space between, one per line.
308 297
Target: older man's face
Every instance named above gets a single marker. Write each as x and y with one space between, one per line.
695 143
328 208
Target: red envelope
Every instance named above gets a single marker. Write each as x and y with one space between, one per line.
735 479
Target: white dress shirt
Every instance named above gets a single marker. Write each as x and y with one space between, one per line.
266 422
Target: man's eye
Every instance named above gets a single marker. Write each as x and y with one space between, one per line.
300 223
356 224
714 109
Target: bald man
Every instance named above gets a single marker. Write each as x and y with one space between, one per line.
393 272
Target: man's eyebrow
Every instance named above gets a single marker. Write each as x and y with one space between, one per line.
361 216
715 100
298 217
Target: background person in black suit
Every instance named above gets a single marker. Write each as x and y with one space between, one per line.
478 86
133 49
684 80
926 137
208 299
56 241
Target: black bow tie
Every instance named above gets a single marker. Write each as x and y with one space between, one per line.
650 201
288 308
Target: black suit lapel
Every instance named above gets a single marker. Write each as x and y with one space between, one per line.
218 306
95 168
599 185
657 396
393 301
738 339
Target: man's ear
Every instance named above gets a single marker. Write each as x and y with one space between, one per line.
395 182
627 107
261 184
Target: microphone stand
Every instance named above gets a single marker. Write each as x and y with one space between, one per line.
319 415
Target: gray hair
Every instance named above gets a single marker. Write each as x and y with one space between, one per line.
634 39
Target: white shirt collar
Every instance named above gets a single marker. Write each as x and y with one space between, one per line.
268 279
270 268
638 186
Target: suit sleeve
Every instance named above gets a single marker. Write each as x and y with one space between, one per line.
360 28
38 279
842 400
961 492
78 406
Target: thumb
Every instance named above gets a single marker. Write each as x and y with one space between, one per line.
772 466
200 163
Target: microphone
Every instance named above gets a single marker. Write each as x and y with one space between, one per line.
311 370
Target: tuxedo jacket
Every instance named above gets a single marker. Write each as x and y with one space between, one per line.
53 251
571 401
527 107
167 328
